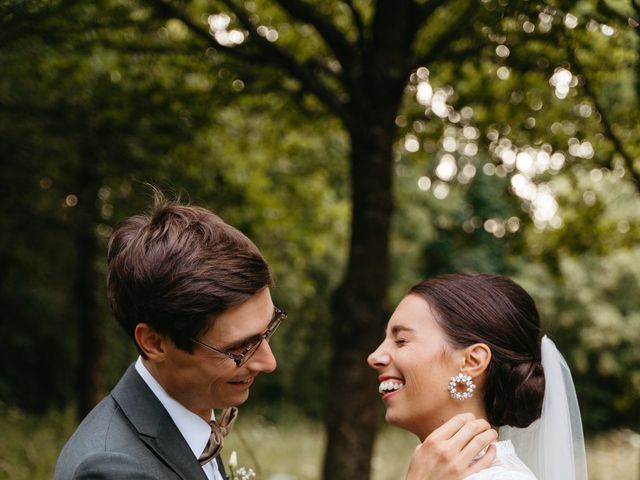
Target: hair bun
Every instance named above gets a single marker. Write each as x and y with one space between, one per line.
518 401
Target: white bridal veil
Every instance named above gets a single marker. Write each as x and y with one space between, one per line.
553 446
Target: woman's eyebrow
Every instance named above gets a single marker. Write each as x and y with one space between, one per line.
401 328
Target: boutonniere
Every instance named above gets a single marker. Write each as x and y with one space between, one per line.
239 473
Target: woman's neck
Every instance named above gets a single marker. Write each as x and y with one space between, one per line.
476 407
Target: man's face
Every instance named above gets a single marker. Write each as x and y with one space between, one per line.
206 379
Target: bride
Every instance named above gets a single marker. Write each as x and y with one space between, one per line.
471 343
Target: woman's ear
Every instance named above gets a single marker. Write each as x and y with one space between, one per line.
476 359
150 342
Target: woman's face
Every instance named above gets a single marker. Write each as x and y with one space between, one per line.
415 364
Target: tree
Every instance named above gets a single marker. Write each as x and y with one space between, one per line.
458 87
361 81
355 64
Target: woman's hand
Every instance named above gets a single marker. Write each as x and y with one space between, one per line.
449 452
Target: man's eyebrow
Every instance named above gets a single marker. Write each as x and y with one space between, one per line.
247 340
242 342
401 328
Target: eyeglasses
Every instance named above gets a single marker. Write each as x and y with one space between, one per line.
241 354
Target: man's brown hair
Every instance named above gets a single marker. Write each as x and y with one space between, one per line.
177 267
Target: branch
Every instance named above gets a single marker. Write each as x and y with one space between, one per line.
427 9
168 10
295 95
359 22
335 39
606 124
607 11
306 77
439 48
318 64
272 54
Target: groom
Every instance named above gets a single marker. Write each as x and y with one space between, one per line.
193 293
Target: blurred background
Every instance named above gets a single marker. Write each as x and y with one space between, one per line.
362 145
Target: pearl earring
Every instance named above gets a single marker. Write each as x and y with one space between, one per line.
461 387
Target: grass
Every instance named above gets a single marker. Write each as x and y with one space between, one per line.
29 445
290 450
294 449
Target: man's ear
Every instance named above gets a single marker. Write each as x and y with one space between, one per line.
476 360
152 344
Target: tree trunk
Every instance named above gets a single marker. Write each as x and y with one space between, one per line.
91 341
90 335
360 310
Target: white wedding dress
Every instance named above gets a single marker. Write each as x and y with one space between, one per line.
506 466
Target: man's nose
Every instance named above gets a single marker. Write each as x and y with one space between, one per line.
263 360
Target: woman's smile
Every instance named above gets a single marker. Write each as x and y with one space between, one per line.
414 365
389 386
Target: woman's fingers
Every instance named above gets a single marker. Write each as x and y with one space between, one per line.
469 432
451 427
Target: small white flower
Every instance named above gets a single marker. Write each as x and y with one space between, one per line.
245 473
233 459
239 473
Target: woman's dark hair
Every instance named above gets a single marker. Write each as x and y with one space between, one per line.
178 267
494 310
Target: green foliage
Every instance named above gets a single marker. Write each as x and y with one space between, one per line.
586 281
98 97
589 311
89 118
75 126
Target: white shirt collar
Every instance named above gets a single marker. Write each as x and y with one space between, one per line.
192 427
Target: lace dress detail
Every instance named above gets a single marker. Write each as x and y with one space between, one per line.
506 466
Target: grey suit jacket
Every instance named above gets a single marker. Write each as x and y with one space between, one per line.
129 435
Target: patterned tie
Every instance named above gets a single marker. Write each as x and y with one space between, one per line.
219 429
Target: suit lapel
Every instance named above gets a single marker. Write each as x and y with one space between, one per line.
172 447
155 426
221 467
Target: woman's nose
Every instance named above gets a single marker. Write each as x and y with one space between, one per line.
378 358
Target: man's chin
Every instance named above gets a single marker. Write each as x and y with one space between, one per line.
237 398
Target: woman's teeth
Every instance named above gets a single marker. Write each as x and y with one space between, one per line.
390 386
